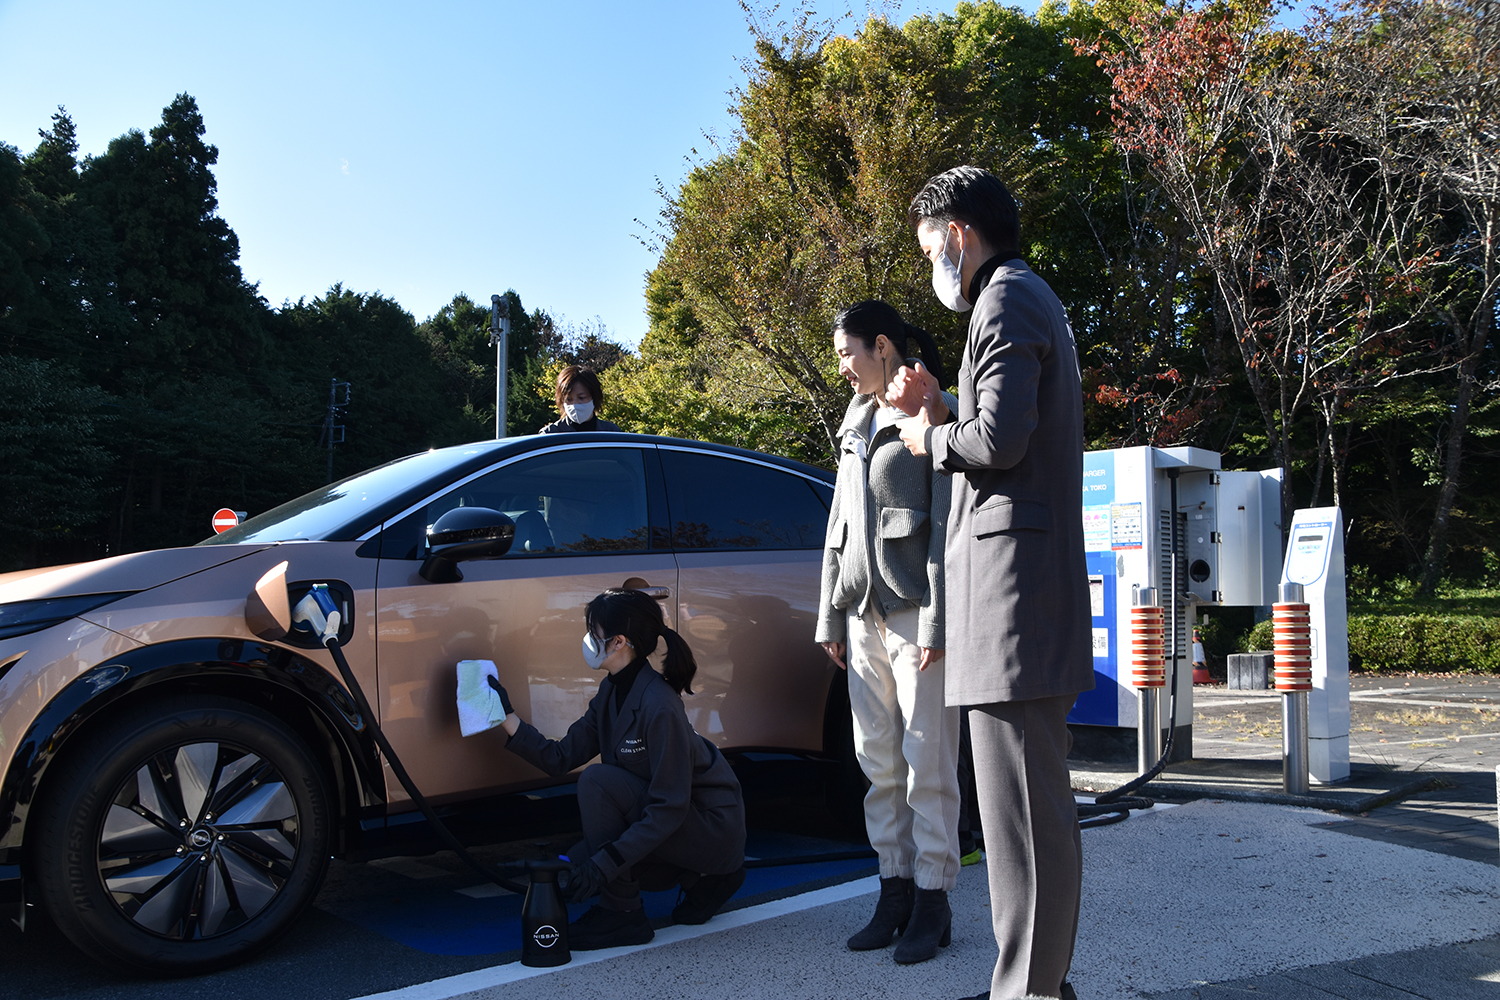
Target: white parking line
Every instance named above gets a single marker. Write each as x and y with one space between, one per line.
1428 703
512 972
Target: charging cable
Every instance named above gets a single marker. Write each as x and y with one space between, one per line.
317 615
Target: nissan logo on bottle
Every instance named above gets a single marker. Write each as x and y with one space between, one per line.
546 935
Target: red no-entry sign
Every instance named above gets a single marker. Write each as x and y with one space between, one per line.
224 519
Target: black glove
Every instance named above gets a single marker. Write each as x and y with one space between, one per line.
584 880
500 690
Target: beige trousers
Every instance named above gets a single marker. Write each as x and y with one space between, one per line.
906 740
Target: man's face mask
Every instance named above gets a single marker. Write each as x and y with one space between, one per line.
948 277
579 413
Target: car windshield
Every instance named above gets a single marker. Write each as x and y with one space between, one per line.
317 515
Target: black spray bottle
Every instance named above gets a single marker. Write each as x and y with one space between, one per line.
544 918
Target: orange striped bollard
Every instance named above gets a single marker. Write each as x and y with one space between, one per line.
1291 632
1148 674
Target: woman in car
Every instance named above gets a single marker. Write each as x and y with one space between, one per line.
662 807
579 398
881 617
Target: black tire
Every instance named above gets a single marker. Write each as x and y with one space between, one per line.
181 838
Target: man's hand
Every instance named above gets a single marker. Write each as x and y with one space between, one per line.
913 432
915 389
835 651
929 657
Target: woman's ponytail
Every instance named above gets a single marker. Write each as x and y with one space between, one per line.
680 666
930 357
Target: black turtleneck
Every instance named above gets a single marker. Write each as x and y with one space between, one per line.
986 271
624 679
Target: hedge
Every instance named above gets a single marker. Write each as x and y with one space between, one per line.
1467 644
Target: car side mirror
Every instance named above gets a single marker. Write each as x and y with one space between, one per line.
268 611
462 534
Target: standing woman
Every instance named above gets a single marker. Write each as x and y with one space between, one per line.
579 397
882 612
662 807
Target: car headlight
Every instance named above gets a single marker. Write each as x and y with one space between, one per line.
33 616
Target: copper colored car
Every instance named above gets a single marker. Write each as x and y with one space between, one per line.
174 784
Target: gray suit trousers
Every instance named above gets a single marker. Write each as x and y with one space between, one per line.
1032 843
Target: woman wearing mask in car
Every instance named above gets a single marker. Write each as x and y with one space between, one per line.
579 397
881 617
662 807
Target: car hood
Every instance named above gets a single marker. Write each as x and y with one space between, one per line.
134 571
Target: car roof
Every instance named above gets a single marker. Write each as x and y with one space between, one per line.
479 455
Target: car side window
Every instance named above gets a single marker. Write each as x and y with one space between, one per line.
579 500
718 502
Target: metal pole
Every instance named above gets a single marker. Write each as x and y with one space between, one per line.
1147 706
1294 742
499 328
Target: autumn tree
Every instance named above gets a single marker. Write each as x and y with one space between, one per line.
1421 80
1305 244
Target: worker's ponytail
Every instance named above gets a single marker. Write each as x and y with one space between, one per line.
680 666
640 620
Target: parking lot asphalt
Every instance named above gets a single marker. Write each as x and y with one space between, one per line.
1207 898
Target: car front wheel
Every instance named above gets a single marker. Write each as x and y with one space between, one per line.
181 838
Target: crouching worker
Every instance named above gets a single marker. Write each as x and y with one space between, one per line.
663 807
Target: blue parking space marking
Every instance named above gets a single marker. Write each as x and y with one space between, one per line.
434 917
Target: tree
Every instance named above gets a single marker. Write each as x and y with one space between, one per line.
1424 76
805 212
1304 243
51 461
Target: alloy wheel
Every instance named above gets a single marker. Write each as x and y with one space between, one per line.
198 840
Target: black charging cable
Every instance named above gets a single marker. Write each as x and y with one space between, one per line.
444 834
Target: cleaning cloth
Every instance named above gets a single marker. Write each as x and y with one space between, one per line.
479 705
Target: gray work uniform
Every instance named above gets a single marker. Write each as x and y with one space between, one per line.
660 793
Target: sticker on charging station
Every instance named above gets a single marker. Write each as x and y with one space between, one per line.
1125 526
1308 553
1101 643
1096 529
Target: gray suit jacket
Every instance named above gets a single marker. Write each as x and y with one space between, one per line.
1018 619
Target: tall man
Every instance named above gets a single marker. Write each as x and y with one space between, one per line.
1019 647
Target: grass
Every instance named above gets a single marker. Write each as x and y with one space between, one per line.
1398 596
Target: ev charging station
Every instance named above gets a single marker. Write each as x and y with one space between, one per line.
1228 554
1315 559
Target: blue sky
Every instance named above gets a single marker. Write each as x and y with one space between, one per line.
419 150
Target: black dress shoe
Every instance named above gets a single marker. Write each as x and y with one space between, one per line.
706 897
602 928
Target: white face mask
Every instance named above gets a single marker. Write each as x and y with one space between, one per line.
948 278
579 413
594 653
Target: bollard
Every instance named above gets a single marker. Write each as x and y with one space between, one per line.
1292 643
1148 668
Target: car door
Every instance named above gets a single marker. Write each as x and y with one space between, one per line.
749 542
583 525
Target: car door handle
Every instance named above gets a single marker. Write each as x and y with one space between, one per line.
656 593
